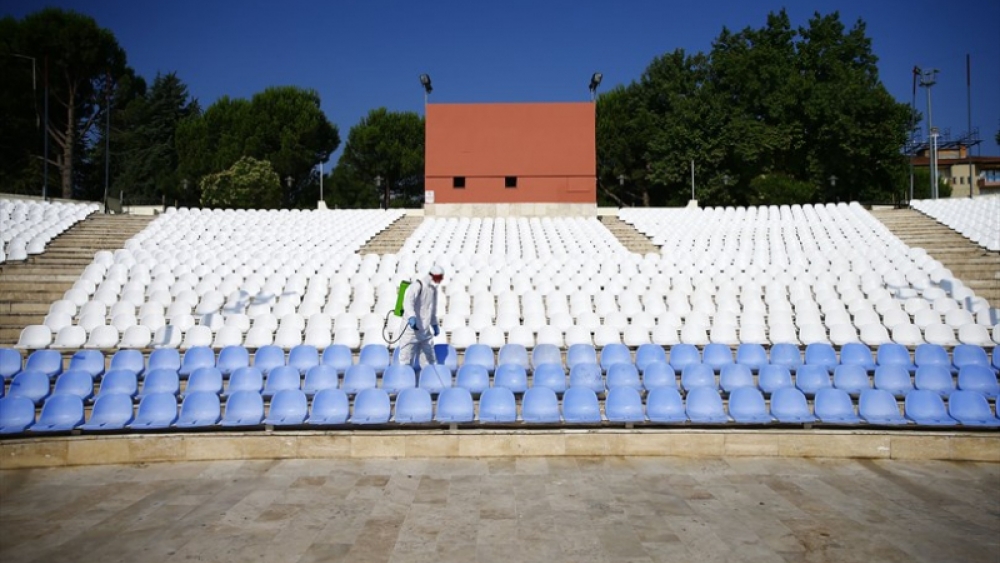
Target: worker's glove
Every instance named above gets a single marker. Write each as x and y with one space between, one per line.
437 329
412 323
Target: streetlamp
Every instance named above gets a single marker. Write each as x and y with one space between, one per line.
595 81
38 125
833 182
385 196
928 78
425 81
621 183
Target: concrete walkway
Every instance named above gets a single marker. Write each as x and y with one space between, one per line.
640 509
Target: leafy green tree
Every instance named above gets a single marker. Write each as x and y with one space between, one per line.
283 125
922 185
781 189
388 145
247 184
347 189
82 64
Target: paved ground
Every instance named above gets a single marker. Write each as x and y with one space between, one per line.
508 509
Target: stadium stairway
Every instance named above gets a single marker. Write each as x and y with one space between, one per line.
977 267
28 288
391 240
628 235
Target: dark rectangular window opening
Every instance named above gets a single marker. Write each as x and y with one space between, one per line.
458 182
510 181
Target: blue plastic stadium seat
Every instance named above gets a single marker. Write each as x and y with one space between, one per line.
288 407
821 354
268 357
75 382
10 363
811 378
160 381
893 378
329 407
834 406
196 357
200 409
454 405
232 358
473 377
996 358
375 355
156 410
978 378
511 376
61 413
445 354
935 377
395 379
747 406
112 411
34 385
497 405
119 382
322 376
665 406
513 354
540 406
926 408
580 406
164 358
786 355
580 354
962 355
789 406
683 355
303 357
371 406
545 354
339 356
773 377
359 377
243 408
851 378
734 376
624 404
246 378
751 355
480 354
624 375
857 353
971 409
434 378
698 375
413 406
878 406
287 377
204 379
615 354
649 353
587 375
551 376
931 355
717 355
130 360
90 361
894 354
16 414
659 374
49 362
704 406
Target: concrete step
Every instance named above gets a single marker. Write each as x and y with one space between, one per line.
391 240
978 268
627 234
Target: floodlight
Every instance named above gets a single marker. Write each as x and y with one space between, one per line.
425 80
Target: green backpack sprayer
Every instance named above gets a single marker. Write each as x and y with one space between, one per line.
398 309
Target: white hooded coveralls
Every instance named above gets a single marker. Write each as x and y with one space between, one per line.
420 301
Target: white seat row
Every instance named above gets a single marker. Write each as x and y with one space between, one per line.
29 225
977 219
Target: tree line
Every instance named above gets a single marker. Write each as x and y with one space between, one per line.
769 115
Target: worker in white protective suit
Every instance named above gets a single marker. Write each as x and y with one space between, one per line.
420 318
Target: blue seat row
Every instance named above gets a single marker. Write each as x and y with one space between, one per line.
455 405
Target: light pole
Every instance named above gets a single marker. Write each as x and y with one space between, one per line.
833 183
425 81
595 81
928 78
385 196
38 124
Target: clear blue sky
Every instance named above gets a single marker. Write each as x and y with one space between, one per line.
360 55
